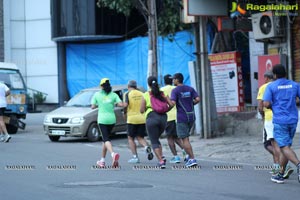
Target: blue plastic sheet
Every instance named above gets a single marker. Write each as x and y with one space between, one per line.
87 64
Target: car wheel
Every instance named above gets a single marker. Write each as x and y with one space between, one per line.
93 133
11 129
54 138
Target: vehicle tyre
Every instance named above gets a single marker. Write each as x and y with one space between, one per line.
93 133
11 129
54 138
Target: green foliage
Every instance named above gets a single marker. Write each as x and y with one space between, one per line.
168 13
168 20
39 97
121 6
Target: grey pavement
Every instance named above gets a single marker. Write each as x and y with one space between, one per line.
240 142
243 146
49 180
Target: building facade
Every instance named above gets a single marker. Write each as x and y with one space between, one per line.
25 39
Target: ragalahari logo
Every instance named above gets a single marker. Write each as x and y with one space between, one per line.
279 9
236 10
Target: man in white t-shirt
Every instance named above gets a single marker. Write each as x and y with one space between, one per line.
4 92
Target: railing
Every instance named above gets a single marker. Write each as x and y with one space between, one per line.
35 97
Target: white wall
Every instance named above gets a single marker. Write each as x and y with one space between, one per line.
30 45
256 49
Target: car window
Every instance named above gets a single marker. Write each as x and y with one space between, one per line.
120 93
12 79
82 99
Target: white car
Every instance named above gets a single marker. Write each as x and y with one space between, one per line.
77 119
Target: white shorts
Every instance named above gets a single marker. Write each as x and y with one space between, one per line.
268 131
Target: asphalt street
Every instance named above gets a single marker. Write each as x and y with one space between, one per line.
33 167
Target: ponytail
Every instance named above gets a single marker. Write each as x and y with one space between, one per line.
155 91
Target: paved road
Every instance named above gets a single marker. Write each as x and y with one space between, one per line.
32 167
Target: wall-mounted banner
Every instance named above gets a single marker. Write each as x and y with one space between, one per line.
227 81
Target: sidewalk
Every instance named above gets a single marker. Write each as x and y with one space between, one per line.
241 149
246 149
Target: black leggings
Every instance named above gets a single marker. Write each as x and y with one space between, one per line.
105 130
2 110
155 124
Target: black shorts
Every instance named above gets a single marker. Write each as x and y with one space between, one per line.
171 128
134 130
105 130
2 110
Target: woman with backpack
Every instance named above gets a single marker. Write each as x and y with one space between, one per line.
156 104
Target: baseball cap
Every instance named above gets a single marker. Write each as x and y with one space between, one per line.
104 80
132 83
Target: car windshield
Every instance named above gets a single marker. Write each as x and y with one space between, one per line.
12 79
82 99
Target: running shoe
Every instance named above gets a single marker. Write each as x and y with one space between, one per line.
274 171
7 138
191 163
175 159
149 153
115 160
101 163
288 171
278 178
2 138
164 159
134 160
161 164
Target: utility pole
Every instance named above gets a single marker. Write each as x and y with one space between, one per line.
152 35
205 82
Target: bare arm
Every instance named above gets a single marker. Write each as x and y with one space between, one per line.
170 103
125 105
267 104
120 104
173 102
261 108
7 93
94 106
196 100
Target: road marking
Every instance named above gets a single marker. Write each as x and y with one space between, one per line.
228 162
91 145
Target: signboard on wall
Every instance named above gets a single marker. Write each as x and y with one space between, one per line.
266 62
227 81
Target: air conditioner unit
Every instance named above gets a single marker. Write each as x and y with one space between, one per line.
266 25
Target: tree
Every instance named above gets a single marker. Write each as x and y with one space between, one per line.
161 16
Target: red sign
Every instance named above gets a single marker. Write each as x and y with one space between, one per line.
227 81
265 63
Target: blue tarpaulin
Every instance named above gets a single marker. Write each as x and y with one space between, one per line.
87 64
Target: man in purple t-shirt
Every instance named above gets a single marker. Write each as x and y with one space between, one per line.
185 97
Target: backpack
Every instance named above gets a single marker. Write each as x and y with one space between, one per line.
158 105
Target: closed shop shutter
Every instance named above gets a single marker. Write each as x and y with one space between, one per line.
296 47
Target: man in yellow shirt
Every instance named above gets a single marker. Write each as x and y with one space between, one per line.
269 143
135 122
171 124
